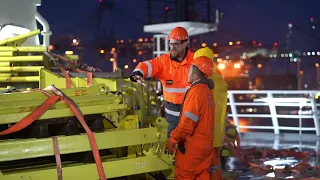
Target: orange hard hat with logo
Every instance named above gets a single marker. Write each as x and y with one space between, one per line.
178 33
204 64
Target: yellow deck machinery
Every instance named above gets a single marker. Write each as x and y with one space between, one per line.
43 137
58 121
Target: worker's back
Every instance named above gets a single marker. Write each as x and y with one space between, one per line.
202 136
199 150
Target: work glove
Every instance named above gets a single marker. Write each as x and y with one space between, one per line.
139 79
171 146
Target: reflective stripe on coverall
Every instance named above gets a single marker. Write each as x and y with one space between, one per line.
174 78
195 131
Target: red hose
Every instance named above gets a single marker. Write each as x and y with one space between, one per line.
92 140
34 115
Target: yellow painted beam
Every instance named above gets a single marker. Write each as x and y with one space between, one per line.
4 64
6 53
64 112
33 148
21 59
20 79
24 48
19 39
21 69
115 168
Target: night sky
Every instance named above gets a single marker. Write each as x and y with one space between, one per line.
261 20
265 21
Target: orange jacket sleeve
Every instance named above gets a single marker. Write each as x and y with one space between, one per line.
147 69
189 116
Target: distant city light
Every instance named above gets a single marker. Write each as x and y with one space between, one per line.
69 52
221 66
237 65
311 19
126 66
51 47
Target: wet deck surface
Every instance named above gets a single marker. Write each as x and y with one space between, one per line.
309 143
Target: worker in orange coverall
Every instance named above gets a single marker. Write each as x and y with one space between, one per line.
171 69
220 94
196 125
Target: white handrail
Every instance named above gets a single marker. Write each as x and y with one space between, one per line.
274 101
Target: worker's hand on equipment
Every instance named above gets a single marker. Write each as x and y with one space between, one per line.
171 146
139 79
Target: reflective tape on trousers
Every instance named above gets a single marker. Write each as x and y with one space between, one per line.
175 90
173 113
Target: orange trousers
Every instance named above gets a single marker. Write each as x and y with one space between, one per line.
181 174
194 164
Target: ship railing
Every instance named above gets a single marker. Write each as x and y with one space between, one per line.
288 110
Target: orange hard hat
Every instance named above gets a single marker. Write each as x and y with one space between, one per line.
178 33
204 64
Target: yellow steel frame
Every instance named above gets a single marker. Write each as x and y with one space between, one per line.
32 148
118 168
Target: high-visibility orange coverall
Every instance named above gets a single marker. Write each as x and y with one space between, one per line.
174 78
195 131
